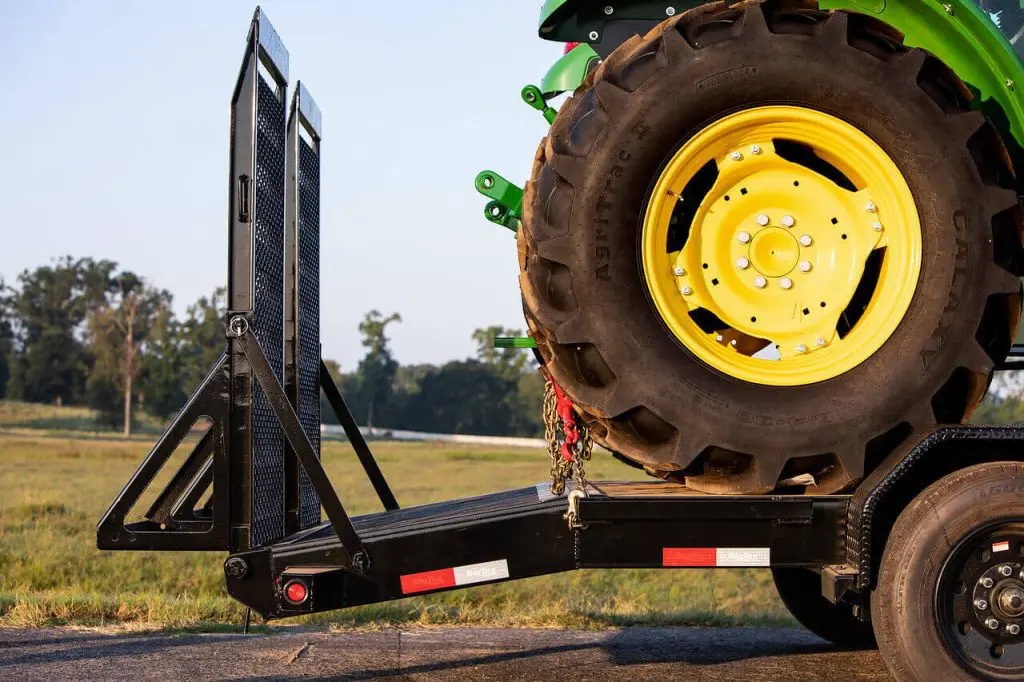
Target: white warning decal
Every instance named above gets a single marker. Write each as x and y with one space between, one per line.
1003 546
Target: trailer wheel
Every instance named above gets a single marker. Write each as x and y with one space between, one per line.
950 598
800 591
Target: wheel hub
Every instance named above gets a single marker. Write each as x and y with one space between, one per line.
981 600
779 248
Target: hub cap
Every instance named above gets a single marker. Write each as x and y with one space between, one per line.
980 601
781 246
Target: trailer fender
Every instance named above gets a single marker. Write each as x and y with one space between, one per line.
912 467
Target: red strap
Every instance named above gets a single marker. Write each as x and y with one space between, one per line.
568 417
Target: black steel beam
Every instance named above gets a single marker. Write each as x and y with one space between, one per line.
355 437
351 545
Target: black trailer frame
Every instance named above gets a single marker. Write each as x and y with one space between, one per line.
254 484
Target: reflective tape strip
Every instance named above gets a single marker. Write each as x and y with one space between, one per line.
698 557
454 577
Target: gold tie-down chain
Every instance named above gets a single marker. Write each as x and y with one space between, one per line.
569 441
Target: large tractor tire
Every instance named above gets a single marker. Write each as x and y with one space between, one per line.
765 243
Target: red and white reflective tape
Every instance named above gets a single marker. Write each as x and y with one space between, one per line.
1003 546
719 557
454 577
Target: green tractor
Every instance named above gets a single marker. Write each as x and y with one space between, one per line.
764 242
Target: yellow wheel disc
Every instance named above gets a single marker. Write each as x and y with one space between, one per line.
800 259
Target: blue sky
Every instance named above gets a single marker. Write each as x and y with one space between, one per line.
115 123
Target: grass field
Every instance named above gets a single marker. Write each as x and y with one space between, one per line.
53 489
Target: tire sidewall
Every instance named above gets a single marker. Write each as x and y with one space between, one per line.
667 109
903 607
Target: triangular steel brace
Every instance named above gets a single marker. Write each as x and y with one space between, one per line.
175 520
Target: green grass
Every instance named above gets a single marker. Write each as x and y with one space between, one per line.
63 419
53 491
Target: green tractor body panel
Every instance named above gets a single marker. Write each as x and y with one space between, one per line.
568 72
959 32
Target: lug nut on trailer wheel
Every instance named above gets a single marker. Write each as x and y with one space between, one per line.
991 623
763 220
986 582
788 221
1005 570
743 237
786 283
1013 629
980 604
743 263
805 240
760 282
805 266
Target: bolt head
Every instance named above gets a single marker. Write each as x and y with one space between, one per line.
871 208
743 237
805 266
821 342
986 582
801 348
594 35
1013 629
670 11
788 221
877 227
1005 570
763 220
679 272
760 282
786 283
805 240
609 9
980 604
236 567
686 291
756 149
736 156
743 263
991 623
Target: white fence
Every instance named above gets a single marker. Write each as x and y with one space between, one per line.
335 431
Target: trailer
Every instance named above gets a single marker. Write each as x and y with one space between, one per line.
926 552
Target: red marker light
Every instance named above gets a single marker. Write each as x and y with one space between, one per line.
296 592
569 47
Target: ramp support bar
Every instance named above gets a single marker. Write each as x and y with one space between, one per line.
352 545
355 436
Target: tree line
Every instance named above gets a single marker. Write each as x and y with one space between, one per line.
80 331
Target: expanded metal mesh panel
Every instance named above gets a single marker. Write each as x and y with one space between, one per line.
308 252
268 520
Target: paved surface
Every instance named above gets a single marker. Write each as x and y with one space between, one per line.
436 654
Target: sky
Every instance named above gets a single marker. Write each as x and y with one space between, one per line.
115 118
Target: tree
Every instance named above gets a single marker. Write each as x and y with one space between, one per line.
6 339
201 337
118 329
524 404
48 310
375 376
161 374
464 396
508 362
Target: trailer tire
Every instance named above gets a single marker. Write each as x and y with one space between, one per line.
800 591
927 629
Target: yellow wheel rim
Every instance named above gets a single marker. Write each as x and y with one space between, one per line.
801 258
